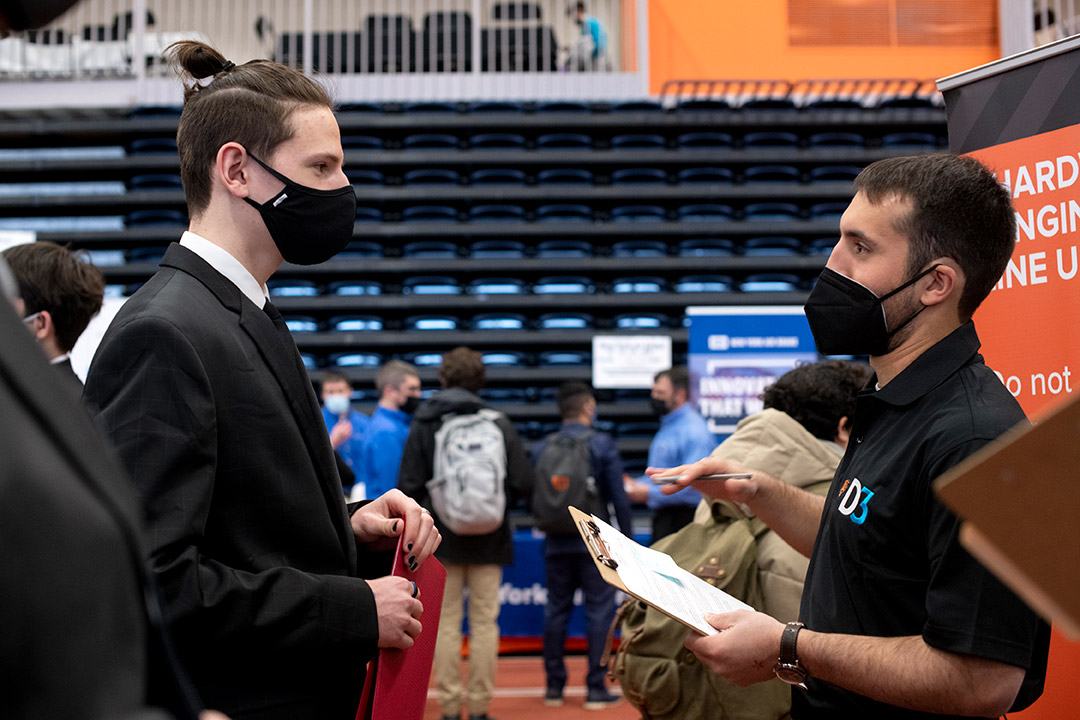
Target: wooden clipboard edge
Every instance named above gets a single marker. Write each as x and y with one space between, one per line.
611 575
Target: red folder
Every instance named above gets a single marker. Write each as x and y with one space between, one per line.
397 680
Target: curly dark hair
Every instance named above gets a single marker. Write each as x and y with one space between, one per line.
463 367
819 394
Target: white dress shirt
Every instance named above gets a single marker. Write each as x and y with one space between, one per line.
222 260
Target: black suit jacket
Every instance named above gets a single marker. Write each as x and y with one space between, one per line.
209 406
82 632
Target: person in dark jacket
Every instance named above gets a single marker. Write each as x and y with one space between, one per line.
568 563
472 561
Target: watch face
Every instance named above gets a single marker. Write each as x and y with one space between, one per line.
791 674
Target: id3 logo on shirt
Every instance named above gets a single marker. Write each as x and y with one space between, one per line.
854 500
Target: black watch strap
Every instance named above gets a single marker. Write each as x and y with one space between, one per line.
788 644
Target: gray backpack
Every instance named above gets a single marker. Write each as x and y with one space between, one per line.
467 490
563 478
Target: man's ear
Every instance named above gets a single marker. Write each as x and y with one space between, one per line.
946 282
232 169
43 326
843 432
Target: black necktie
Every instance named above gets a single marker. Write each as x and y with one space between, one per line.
285 336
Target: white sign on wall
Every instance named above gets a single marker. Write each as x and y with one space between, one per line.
629 361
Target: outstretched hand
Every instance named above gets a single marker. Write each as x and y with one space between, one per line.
738 490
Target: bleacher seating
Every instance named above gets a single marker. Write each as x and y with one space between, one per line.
524 249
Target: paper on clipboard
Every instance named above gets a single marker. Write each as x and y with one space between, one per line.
652 576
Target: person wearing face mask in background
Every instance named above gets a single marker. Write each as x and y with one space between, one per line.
380 450
264 569
897 620
345 425
683 438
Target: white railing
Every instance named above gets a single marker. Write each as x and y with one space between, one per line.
1027 24
108 52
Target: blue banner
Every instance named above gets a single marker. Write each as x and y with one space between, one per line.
736 352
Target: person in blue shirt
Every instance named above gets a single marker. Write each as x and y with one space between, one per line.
380 451
345 425
589 52
684 437
569 565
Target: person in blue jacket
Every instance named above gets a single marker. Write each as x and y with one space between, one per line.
683 438
589 51
345 425
380 451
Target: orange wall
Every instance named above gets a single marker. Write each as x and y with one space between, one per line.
692 39
703 39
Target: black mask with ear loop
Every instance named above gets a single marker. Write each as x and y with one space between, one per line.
847 318
308 226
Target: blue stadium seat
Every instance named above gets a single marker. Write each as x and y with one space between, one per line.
834 104
909 139
828 209
499 213
429 213
503 395
705 212
834 173
822 246
703 283
361 142
431 141
355 359
564 141
354 287
157 216
638 141
496 286
366 107
771 138
772 247
497 141
565 357
301 323
564 248
106 258
780 211
497 176
430 249
641 106
639 248
638 213
706 247
292 288
562 106
144 255
837 139
638 285
368 214
430 285
559 285
568 176
705 140
431 322
564 212
499 321
311 362
530 429
566 321
145 146
360 249
641 321
771 173
906 102
431 176
355 323
496 106
363 176
423 358
770 282
497 249
430 106
623 176
708 104
639 429
504 358
155 181
705 175
772 103
64 223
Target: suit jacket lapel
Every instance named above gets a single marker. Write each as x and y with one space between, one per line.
284 362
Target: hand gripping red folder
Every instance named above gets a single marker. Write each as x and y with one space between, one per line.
397 680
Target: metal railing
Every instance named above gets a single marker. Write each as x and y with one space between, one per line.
108 52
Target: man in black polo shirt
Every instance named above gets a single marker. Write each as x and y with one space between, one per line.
900 621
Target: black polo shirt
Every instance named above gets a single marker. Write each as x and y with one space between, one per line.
887 560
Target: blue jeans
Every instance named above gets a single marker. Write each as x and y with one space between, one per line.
565 574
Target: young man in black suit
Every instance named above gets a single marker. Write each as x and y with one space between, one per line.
199 385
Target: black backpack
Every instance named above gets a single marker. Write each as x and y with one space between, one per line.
563 478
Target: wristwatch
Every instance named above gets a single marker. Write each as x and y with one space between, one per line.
787 667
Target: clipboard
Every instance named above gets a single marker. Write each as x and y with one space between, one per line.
1019 503
397 680
593 531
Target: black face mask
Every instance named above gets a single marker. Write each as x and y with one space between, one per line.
308 226
847 318
659 407
410 405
